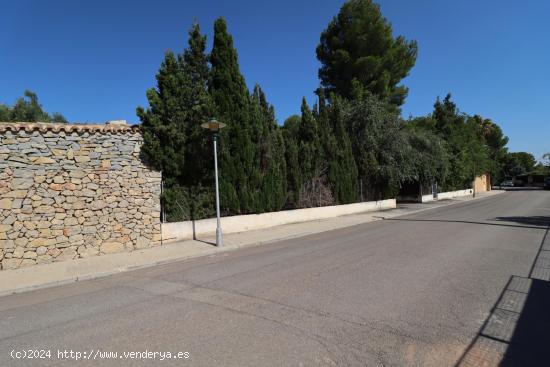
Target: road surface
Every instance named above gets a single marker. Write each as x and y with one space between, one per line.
415 290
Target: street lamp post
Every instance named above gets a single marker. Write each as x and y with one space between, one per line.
215 126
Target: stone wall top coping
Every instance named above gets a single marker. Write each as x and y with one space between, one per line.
67 128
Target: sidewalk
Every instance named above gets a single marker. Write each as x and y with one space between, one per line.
48 275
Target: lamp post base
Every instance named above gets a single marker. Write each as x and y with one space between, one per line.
219 237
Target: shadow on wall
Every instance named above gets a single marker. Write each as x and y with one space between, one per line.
517 331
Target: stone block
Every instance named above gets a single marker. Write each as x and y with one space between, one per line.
9 220
44 160
57 187
18 194
44 209
54 252
141 243
41 250
11 263
111 247
81 159
29 255
68 253
18 252
21 183
46 242
6 203
21 241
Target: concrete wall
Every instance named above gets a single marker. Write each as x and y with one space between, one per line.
447 195
240 223
70 191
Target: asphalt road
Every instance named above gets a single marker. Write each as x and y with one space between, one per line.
409 291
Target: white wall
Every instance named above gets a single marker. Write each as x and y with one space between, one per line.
447 195
240 223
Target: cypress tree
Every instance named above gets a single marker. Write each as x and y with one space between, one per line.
315 190
308 144
198 175
163 122
293 175
232 104
172 139
342 168
268 139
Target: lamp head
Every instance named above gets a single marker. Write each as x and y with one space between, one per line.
213 125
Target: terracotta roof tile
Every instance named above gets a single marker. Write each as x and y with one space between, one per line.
68 128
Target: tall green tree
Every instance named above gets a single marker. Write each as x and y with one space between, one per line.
378 146
198 177
270 157
358 45
342 173
164 121
194 64
468 153
231 98
170 126
309 146
28 109
427 157
292 159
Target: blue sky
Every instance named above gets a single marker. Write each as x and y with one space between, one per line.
93 60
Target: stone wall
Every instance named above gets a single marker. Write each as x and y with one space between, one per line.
70 191
482 183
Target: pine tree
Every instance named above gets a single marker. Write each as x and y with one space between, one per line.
358 46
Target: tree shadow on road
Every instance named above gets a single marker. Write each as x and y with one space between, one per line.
537 220
526 222
517 331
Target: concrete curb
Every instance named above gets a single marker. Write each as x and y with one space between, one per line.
62 273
